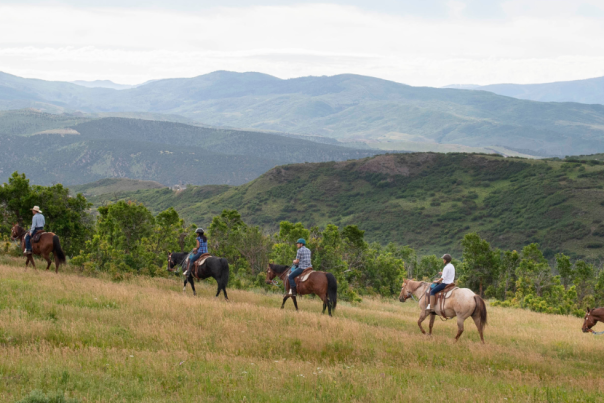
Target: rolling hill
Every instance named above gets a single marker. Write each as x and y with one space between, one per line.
425 200
74 149
589 91
348 107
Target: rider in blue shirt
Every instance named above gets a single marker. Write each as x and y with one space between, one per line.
37 225
202 247
301 263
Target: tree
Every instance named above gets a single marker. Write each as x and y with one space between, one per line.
480 262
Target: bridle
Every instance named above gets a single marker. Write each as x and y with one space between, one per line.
410 295
277 275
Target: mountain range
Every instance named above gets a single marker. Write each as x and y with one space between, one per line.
75 149
588 91
384 114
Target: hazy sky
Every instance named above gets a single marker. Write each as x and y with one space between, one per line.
418 42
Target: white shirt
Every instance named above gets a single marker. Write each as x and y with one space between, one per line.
448 274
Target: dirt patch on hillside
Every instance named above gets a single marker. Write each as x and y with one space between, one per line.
393 164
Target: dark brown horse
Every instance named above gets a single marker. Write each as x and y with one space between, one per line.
49 242
591 318
320 283
215 267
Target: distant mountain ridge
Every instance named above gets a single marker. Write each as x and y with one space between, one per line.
103 84
587 91
75 149
347 107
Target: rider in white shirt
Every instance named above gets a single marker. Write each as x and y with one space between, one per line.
448 277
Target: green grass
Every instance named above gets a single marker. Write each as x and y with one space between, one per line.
143 340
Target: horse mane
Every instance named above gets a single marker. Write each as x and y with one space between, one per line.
278 268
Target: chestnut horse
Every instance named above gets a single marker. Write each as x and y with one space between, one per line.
591 318
319 282
49 242
463 303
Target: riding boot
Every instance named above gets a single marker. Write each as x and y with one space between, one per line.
432 306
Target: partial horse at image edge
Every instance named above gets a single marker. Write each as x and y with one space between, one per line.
49 242
468 304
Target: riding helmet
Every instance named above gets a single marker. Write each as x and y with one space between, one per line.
199 231
447 257
302 241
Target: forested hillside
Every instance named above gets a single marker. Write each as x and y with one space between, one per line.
428 201
346 106
74 150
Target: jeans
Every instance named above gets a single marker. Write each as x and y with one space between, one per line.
438 288
194 258
28 237
292 276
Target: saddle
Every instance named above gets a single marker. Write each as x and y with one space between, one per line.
198 263
443 295
36 237
305 275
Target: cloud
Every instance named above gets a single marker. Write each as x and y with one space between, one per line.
135 45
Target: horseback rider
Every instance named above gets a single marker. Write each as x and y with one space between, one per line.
301 263
37 225
200 249
448 277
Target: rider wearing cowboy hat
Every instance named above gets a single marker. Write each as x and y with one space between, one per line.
37 224
301 263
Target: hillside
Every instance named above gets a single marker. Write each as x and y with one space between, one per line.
75 150
143 340
589 91
425 200
114 185
348 107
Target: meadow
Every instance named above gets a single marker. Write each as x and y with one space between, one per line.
142 339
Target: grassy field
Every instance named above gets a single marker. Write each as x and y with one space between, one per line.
143 340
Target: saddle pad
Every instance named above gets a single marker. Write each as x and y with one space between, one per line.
202 259
447 295
305 274
36 237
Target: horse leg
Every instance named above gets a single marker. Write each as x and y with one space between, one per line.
56 263
284 299
47 258
295 302
30 258
432 317
192 284
422 317
460 321
479 325
184 287
225 294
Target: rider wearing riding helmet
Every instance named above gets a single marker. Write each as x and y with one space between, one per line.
448 277
301 263
200 249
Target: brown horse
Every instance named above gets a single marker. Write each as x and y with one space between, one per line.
463 303
49 242
591 318
319 282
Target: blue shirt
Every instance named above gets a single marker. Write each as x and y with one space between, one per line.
203 245
37 221
304 258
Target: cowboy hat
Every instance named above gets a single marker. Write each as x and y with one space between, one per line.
36 209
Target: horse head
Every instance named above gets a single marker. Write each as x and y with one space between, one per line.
270 275
405 292
16 232
589 321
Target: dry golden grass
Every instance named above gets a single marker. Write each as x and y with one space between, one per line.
144 340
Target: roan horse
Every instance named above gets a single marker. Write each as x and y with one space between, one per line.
463 303
319 282
215 267
49 242
591 318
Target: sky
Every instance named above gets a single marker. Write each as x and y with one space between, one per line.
417 42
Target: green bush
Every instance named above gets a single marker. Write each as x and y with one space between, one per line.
38 396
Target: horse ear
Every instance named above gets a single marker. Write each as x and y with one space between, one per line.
588 310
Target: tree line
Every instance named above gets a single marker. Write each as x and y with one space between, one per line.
124 238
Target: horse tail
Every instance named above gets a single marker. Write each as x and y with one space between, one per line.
481 309
332 290
225 272
56 249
